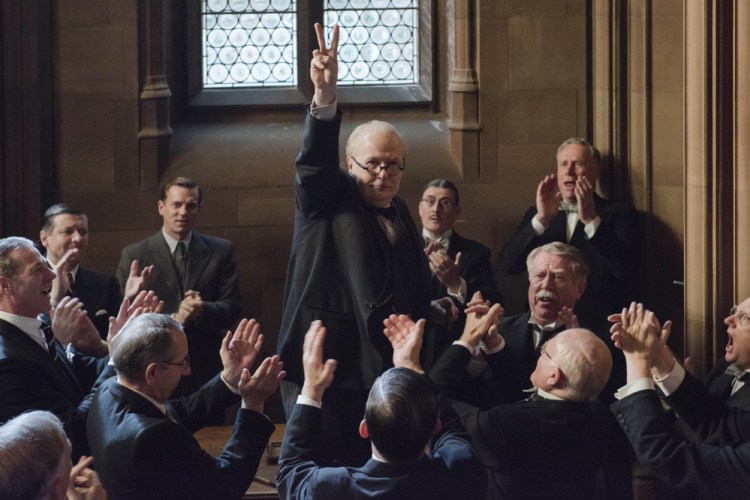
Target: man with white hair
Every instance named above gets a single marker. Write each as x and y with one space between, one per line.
35 462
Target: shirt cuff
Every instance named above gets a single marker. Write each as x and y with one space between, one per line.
495 349
672 381
304 400
591 227
638 385
460 294
325 113
464 344
538 226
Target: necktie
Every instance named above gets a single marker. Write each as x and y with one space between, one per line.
568 207
71 284
389 213
49 339
179 259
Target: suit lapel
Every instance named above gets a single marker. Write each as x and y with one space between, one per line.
199 255
59 369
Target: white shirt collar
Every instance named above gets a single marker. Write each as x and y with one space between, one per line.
446 235
73 271
172 243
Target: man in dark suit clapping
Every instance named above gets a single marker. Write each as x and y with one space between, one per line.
65 230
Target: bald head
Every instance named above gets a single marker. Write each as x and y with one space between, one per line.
585 362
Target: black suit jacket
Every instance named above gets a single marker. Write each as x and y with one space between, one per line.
474 267
141 453
31 380
476 270
720 384
612 255
211 270
450 471
716 465
341 268
101 296
539 448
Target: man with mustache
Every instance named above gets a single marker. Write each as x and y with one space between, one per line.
568 210
557 279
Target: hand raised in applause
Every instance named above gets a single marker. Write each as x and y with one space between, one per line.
257 389
406 339
138 282
239 351
318 374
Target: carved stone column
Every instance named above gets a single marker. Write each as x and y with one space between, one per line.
154 131
464 87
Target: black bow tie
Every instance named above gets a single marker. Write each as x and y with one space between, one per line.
389 213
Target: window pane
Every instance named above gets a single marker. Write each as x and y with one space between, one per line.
378 40
249 43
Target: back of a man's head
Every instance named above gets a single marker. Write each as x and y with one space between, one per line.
400 414
34 452
144 340
586 362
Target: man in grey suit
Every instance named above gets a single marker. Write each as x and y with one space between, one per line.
356 257
194 274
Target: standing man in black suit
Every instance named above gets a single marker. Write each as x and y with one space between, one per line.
65 228
716 463
143 441
402 419
35 372
194 274
568 210
356 257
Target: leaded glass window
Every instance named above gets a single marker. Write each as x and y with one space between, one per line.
257 52
379 40
253 43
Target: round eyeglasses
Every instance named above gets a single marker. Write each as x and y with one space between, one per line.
392 167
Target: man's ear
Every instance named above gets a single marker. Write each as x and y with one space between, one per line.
363 432
4 285
150 375
349 164
43 238
160 205
581 288
556 378
438 427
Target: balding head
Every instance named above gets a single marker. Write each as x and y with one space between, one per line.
584 363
